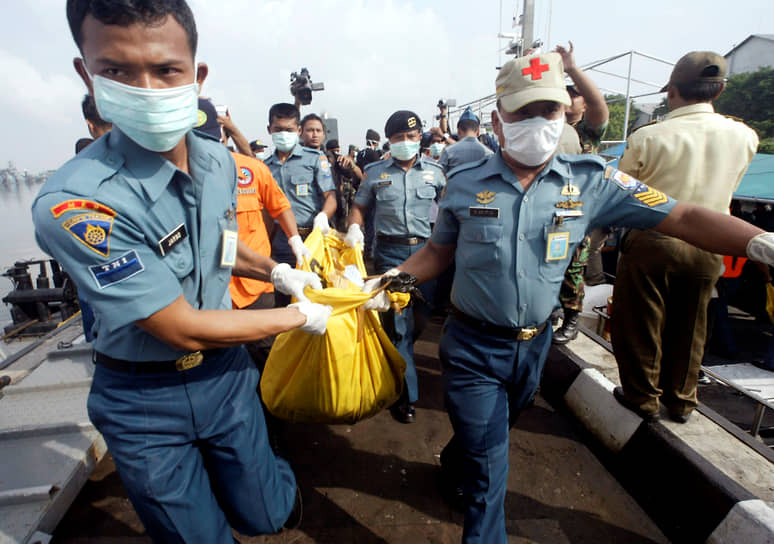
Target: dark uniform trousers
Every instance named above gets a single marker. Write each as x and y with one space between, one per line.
659 319
488 381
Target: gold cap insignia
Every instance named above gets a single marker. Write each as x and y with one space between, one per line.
412 122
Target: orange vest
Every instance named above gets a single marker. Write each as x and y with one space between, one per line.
256 190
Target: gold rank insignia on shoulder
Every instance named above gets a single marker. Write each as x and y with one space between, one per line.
650 196
485 197
569 204
570 190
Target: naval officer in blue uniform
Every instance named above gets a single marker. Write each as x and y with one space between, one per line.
304 175
144 222
400 190
512 222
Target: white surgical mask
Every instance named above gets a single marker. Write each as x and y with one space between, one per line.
284 141
436 149
532 141
156 119
405 150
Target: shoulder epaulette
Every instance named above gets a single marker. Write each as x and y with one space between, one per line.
635 129
467 166
584 157
313 151
370 165
739 119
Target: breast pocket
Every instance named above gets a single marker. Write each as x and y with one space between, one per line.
179 258
480 247
301 185
386 192
553 270
420 206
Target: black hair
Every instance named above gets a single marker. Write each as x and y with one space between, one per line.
90 113
701 91
82 144
127 12
312 117
283 110
467 125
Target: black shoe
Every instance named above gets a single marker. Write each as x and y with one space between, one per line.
294 519
569 329
647 416
451 489
403 412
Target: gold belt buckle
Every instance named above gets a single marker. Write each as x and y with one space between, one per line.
189 360
527 333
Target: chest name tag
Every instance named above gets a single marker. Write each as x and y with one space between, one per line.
172 239
384 183
229 253
556 248
302 189
476 211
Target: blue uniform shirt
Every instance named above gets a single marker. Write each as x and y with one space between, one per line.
468 149
303 177
135 233
401 199
511 249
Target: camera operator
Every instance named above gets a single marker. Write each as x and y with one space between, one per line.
312 132
346 177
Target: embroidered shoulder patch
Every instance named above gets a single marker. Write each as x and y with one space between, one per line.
622 179
92 230
117 270
81 204
245 176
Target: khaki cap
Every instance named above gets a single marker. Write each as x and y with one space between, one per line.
698 66
524 80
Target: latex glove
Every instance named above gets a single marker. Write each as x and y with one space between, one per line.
292 282
760 248
299 249
354 235
381 301
316 316
321 222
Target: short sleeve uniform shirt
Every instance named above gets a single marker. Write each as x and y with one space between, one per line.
513 246
135 233
304 177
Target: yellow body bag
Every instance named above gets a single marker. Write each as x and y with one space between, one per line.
352 371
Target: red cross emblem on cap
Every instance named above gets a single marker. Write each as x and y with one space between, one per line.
535 69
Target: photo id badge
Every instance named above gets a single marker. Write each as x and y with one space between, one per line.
557 245
229 254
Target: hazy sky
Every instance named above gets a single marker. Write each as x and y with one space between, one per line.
374 57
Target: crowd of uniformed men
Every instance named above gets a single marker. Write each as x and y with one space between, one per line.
186 251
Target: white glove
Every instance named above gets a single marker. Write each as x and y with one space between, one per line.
292 282
381 301
354 235
299 249
760 248
316 316
321 222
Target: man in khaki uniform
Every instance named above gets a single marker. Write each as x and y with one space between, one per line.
663 285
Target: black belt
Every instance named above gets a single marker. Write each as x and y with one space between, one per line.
305 231
185 362
485 327
403 240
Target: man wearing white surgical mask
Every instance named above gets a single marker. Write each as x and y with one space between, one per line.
144 221
304 175
511 222
400 191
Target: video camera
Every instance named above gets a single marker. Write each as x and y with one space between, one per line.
301 86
